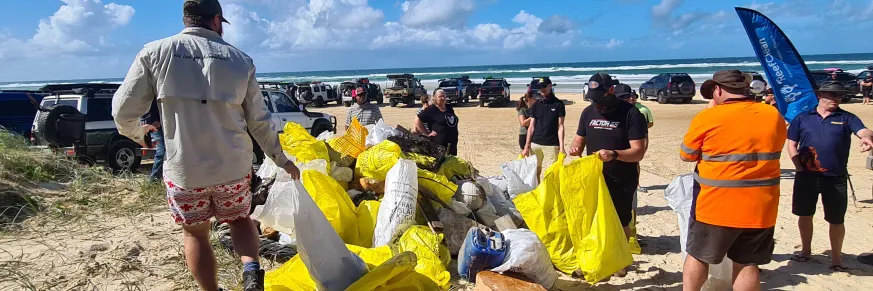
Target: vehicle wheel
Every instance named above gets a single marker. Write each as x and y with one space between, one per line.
410 101
339 101
392 102
686 100
121 156
319 127
380 100
47 125
319 101
642 94
466 99
482 103
661 98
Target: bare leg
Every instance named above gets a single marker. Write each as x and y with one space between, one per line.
804 223
627 232
747 278
694 274
837 233
199 256
245 239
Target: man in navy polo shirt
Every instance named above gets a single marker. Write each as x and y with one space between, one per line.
819 142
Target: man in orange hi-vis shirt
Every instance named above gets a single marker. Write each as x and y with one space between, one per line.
736 145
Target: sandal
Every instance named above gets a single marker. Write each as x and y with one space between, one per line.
800 258
838 268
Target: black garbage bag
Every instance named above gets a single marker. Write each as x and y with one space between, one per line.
414 143
269 249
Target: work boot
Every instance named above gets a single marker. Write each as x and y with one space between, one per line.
253 280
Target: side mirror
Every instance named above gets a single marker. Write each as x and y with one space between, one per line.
508 85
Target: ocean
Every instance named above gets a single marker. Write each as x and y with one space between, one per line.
568 77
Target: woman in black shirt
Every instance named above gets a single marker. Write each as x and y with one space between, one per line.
442 123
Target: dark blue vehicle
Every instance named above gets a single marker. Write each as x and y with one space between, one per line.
17 111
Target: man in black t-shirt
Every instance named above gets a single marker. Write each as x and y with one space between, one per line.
545 134
616 132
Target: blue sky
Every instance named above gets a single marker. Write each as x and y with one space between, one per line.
80 39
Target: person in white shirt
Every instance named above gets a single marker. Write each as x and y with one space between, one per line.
209 101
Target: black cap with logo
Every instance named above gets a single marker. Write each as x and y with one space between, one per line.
623 91
598 85
726 78
204 8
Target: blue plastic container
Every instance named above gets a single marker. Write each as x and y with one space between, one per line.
483 249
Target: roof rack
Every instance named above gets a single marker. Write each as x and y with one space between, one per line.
88 89
400 76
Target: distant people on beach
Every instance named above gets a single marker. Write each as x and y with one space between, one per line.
523 108
215 99
425 102
617 133
819 142
153 117
650 121
545 134
867 88
736 145
441 121
367 113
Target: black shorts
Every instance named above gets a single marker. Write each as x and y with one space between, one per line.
866 92
522 141
834 196
745 246
622 189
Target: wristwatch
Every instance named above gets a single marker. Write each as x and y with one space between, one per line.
614 155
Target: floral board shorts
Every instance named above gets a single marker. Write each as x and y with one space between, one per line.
226 202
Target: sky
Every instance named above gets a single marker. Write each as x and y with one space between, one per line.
84 39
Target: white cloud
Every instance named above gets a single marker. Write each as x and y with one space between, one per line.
557 24
77 26
610 44
424 13
614 43
322 24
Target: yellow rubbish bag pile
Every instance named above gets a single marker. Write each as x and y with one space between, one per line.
576 195
297 142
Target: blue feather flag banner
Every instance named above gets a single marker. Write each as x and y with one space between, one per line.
787 74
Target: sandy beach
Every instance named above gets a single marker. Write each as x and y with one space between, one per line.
106 252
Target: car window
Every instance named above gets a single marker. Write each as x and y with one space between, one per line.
283 103
15 108
863 75
267 101
315 88
447 83
492 83
679 79
846 77
99 109
49 102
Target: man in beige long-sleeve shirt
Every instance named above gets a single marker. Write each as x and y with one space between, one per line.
209 101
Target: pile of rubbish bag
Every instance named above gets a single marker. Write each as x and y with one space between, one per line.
370 214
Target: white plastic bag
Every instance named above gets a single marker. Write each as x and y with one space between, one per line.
379 133
325 136
679 195
276 211
269 169
471 195
521 176
342 174
528 256
487 214
397 210
501 204
319 165
329 262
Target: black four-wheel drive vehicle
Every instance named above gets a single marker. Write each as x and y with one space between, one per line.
669 86
454 89
848 79
494 91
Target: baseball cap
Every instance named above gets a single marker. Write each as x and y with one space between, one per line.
598 84
623 91
542 82
831 86
207 8
726 78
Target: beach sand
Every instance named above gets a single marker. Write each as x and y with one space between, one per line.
146 249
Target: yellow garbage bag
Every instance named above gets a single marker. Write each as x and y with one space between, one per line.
367 213
453 166
377 160
294 276
338 208
437 184
297 142
422 161
353 142
396 274
634 242
433 256
599 242
543 212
